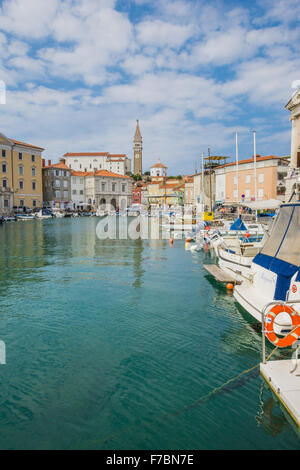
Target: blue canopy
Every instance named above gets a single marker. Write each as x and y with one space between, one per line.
238 225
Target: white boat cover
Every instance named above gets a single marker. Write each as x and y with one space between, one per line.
261 205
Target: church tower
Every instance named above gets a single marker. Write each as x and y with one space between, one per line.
137 151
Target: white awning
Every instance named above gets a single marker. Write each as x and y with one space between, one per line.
261 205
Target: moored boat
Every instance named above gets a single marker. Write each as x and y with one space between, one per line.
274 276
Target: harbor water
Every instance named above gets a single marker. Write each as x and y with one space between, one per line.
110 344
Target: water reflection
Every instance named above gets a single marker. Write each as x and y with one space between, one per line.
270 415
137 263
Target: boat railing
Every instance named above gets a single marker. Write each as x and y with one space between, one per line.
263 314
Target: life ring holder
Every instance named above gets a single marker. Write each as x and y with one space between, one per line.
290 338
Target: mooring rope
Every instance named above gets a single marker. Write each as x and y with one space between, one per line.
202 399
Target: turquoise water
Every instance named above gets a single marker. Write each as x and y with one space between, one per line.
109 342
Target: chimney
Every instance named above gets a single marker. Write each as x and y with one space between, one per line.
49 162
43 163
62 160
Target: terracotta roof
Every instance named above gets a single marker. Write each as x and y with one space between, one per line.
60 165
106 173
18 142
117 155
250 160
86 154
110 174
158 165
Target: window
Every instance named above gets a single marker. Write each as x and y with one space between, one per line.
4 183
248 179
6 203
65 183
261 178
81 192
3 153
261 193
33 158
74 191
33 171
57 183
22 202
247 193
21 184
21 171
113 187
57 173
34 185
57 194
66 194
3 167
235 179
20 156
33 203
123 188
81 180
103 186
235 194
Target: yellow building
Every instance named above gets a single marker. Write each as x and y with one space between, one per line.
171 193
20 175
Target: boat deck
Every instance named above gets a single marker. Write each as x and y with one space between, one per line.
285 385
219 274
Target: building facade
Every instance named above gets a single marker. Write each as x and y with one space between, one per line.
293 177
189 191
20 175
57 185
204 194
170 193
103 189
96 161
271 172
137 151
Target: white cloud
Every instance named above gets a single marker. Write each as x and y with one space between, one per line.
80 72
159 33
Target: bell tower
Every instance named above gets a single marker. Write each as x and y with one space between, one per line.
137 151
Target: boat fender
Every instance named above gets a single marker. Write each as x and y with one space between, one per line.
289 339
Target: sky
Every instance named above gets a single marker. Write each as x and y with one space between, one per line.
78 73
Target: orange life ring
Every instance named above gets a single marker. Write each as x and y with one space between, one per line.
291 338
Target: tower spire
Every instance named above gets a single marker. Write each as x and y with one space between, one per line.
137 135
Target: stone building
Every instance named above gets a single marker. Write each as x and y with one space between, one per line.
102 189
95 161
57 184
20 175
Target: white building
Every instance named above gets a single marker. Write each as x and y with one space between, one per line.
116 163
158 170
220 188
78 190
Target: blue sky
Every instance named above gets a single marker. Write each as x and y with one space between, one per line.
80 72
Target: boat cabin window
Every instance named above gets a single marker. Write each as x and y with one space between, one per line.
284 241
